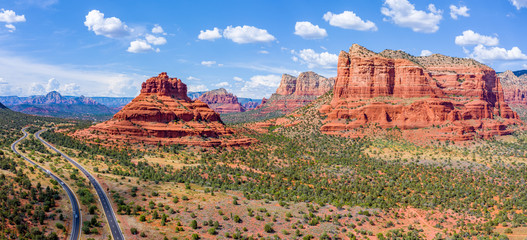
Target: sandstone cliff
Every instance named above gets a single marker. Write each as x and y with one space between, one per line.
458 98
163 113
222 101
295 92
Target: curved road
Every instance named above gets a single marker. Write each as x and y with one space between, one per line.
117 234
76 226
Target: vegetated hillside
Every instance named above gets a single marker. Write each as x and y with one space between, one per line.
298 182
12 122
55 105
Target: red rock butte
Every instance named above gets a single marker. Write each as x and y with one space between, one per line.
163 113
296 92
222 101
446 98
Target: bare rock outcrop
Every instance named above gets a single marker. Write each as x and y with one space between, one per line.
222 101
458 98
163 113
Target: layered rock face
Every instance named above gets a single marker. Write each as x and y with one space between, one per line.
295 92
514 87
222 101
459 98
163 113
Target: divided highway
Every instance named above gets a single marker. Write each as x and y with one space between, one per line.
76 226
117 234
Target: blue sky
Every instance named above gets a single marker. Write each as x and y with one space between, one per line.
107 48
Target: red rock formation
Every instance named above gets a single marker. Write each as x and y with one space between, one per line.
293 93
222 101
394 89
514 87
163 113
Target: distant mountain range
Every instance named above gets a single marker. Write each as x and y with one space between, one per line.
55 105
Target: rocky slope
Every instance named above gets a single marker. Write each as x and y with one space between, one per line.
221 101
55 105
515 91
295 92
447 98
292 93
163 113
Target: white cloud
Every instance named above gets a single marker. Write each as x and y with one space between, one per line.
191 78
9 17
70 89
109 27
425 53
519 3
314 59
210 35
10 27
155 40
197 88
208 63
349 20
238 79
483 54
470 37
139 46
458 11
309 31
404 14
222 84
524 66
263 52
3 81
260 86
53 85
158 30
101 82
247 34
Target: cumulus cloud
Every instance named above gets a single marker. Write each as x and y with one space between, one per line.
158 30
309 31
425 53
210 35
247 34
140 46
222 84
314 59
349 20
238 79
404 14
53 84
197 88
9 17
470 37
483 53
155 40
519 3
458 11
111 27
208 63
259 86
191 78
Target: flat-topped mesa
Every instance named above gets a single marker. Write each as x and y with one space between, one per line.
163 113
162 85
394 88
222 101
295 92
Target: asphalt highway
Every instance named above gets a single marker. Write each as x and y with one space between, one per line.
115 229
77 217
